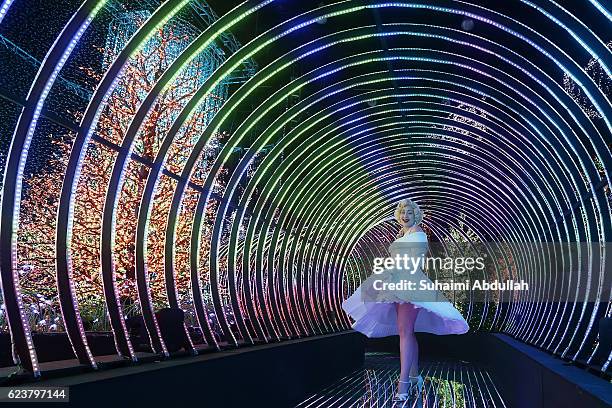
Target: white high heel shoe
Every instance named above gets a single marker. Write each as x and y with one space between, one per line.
404 396
416 389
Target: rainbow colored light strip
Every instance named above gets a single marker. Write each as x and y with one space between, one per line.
481 130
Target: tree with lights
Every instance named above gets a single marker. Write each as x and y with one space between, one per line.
39 205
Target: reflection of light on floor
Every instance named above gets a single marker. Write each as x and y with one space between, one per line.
456 384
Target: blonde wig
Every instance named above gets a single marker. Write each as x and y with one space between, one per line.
418 214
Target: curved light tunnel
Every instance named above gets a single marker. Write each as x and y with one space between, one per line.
355 105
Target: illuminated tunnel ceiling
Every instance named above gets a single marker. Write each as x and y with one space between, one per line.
243 179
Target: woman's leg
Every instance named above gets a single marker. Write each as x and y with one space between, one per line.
409 350
414 367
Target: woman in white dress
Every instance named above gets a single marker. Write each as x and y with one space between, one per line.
391 312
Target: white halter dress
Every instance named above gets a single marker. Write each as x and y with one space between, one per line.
379 318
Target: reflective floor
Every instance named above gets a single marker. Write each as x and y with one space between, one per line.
454 384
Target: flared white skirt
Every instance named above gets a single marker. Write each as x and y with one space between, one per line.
379 319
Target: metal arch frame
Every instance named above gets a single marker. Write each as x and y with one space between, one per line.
232 336
360 112
4 8
201 198
186 111
293 251
596 138
577 30
360 216
115 182
319 210
21 337
65 208
330 125
283 249
601 9
190 53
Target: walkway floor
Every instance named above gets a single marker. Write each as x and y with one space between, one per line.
455 384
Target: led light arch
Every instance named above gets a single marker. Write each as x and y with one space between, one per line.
303 219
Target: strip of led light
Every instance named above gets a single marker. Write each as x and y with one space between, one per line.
290 225
6 4
12 185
